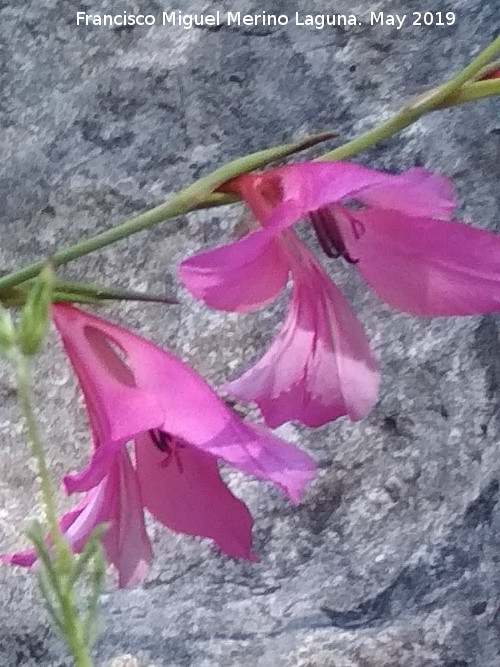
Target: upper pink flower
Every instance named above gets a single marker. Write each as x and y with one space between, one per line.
392 228
135 391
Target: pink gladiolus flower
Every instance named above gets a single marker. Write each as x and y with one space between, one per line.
392 228
135 391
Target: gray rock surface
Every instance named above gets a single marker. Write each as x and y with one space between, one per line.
392 559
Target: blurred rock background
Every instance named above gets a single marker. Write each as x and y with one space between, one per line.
392 559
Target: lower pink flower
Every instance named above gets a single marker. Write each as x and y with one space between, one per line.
135 391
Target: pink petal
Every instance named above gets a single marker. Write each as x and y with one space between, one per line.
416 192
115 501
253 450
25 558
187 495
118 407
320 365
250 272
239 276
28 557
197 416
309 185
213 428
126 542
173 393
427 267
95 471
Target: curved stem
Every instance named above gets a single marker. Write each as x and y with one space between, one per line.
445 95
440 93
174 207
24 398
197 195
71 624
470 92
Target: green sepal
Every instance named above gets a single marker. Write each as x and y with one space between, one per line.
7 331
200 193
66 291
35 315
96 292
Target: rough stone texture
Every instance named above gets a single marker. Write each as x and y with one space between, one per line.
392 559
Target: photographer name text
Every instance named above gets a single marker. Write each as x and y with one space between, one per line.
237 19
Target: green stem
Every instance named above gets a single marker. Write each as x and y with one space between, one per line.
74 633
24 397
434 99
71 625
176 206
200 194
470 92
372 137
474 67
196 195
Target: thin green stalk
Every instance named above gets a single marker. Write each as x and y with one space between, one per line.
176 206
470 92
379 133
70 623
74 632
24 397
196 195
434 99
468 73
200 194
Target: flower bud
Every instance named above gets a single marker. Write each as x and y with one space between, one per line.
36 313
